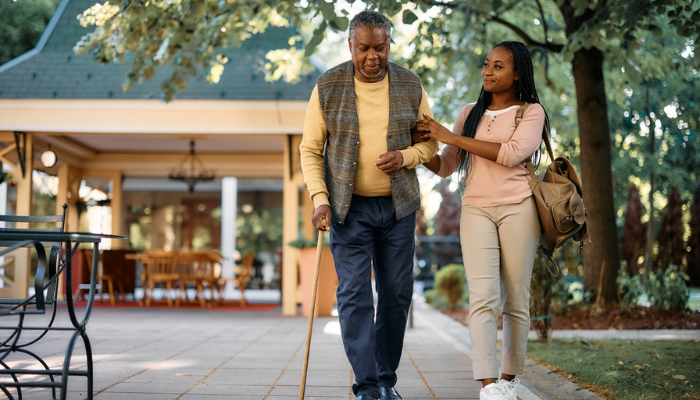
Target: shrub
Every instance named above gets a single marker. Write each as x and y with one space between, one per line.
667 289
629 289
449 283
435 299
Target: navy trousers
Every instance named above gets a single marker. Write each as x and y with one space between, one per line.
372 235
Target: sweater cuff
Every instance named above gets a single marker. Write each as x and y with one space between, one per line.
320 199
501 158
408 157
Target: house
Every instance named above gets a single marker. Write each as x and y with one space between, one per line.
126 144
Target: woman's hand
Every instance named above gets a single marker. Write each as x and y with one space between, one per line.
418 131
437 131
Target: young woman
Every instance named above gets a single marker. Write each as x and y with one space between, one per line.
499 226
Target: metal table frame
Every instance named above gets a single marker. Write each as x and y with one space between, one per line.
18 238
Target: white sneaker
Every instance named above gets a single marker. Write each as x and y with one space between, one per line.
495 391
511 387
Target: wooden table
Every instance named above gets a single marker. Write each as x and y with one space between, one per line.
175 269
183 271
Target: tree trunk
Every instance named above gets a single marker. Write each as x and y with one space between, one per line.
649 253
603 254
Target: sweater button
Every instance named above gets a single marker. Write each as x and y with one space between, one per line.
354 163
358 142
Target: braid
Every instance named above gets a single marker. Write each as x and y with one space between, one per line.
524 91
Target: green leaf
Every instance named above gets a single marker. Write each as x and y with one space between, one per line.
409 17
340 24
327 9
484 7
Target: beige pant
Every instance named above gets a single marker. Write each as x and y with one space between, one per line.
498 247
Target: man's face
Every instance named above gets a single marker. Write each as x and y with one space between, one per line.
370 53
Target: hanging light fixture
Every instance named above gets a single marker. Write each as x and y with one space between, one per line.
191 177
48 158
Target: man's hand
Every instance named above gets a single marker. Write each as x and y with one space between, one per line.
419 130
322 218
390 162
437 131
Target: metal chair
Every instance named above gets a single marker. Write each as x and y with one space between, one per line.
43 301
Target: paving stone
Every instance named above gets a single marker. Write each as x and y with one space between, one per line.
250 356
244 377
456 393
313 391
223 390
148 387
316 378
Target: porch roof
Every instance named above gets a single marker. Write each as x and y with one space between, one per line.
53 71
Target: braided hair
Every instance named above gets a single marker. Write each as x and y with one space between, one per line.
524 91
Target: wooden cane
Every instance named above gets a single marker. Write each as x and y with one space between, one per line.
312 309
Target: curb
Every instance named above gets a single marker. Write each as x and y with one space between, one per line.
457 335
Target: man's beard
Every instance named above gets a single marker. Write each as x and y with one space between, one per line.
379 71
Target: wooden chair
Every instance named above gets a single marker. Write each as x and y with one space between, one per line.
109 278
242 278
159 253
159 270
199 269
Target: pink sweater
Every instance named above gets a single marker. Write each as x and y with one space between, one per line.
505 181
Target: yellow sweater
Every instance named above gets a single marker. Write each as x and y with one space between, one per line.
372 102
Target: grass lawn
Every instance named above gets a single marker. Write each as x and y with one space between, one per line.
626 369
694 301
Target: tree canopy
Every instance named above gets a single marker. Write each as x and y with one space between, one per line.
21 24
612 73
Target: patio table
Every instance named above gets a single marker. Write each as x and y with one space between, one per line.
14 239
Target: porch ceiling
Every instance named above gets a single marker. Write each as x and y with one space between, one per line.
148 156
176 144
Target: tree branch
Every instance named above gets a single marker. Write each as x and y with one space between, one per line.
553 47
544 23
544 26
440 4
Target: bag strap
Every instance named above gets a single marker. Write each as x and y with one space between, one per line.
546 254
545 136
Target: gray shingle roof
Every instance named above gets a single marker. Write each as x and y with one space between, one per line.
54 71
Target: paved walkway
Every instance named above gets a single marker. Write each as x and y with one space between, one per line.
197 355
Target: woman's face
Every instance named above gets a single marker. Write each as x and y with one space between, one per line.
499 72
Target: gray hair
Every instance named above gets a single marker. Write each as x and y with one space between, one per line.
370 19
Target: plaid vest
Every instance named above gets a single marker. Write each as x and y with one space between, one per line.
336 92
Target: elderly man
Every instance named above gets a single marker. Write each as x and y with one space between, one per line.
358 165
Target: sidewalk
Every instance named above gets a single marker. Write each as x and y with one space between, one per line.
197 355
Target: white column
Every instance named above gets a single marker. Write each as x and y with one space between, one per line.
229 203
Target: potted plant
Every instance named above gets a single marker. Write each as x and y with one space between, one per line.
6 176
327 278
